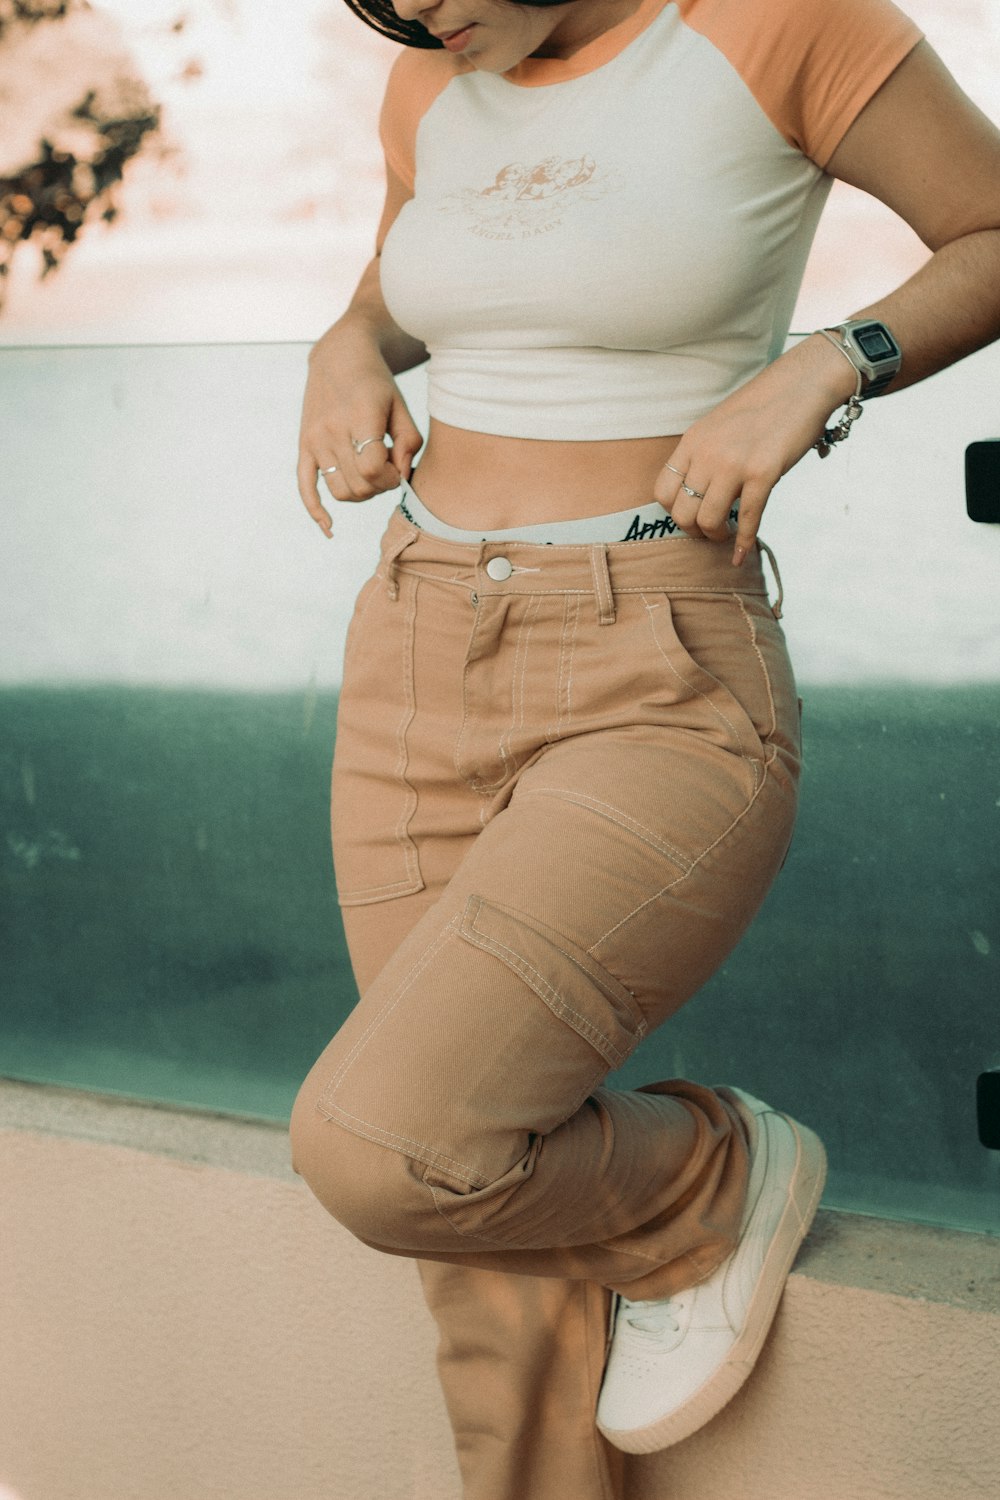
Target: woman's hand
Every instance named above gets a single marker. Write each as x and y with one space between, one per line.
743 447
351 397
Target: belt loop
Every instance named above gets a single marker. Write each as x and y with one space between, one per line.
776 606
392 563
602 585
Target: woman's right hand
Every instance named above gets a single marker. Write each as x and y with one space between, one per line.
351 396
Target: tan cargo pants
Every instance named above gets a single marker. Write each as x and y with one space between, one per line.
565 777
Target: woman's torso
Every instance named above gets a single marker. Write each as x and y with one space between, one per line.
475 479
595 256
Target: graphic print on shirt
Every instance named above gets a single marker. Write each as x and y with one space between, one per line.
523 201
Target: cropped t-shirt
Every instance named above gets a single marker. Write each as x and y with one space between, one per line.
605 246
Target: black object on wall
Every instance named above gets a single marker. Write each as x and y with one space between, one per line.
982 481
988 1108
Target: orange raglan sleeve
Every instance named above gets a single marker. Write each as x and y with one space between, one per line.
396 128
415 80
812 65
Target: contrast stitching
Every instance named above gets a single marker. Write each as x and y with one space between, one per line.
694 864
400 886
571 660
520 965
561 1005
614 814
382 1136
463 583
752 628
390 1005
471 779
565 639
409 709
714 707
529 590
653 1260
552 733
508 761
604 595
564 547
517 691
574 960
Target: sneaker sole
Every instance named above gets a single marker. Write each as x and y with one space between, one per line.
809 1177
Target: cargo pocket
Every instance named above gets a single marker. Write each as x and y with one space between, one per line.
553 1023
477 1041
573 1022
575 988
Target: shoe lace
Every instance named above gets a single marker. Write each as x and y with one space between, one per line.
660 1316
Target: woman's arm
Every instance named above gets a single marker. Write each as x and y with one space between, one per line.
367 315
351 393
368 318
923 148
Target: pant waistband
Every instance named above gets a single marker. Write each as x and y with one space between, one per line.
678 564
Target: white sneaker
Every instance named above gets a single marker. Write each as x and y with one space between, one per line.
674 1363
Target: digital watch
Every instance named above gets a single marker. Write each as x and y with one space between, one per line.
872 351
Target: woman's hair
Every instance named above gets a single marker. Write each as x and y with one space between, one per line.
380 15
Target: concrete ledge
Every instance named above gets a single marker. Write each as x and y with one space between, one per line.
240 1144
892 1256
182 1318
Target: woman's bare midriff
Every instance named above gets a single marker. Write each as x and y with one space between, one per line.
473 479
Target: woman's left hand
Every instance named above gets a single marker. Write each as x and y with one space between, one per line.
741 449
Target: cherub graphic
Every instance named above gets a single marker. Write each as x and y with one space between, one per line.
550 176
508 182
555 176
509 202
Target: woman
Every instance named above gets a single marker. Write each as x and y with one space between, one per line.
568 744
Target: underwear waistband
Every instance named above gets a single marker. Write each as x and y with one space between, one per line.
639 523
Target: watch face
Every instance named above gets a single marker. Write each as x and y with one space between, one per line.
875 343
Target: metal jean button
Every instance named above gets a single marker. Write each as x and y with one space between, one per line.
499 568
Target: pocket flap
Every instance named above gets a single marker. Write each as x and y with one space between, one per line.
574 986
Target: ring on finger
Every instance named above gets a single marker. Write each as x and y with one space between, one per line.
675 471
364 443
331 470
695 494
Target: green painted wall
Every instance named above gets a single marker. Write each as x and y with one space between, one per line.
170 927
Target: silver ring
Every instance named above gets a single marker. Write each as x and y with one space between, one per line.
331 470
675 471
364 444
695 494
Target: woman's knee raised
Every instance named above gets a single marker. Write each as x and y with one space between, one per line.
372 1190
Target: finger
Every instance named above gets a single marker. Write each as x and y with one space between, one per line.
668 491
688 505
689 526
371 471
713 513
407 439
668 482
679 495
309 491
752 502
